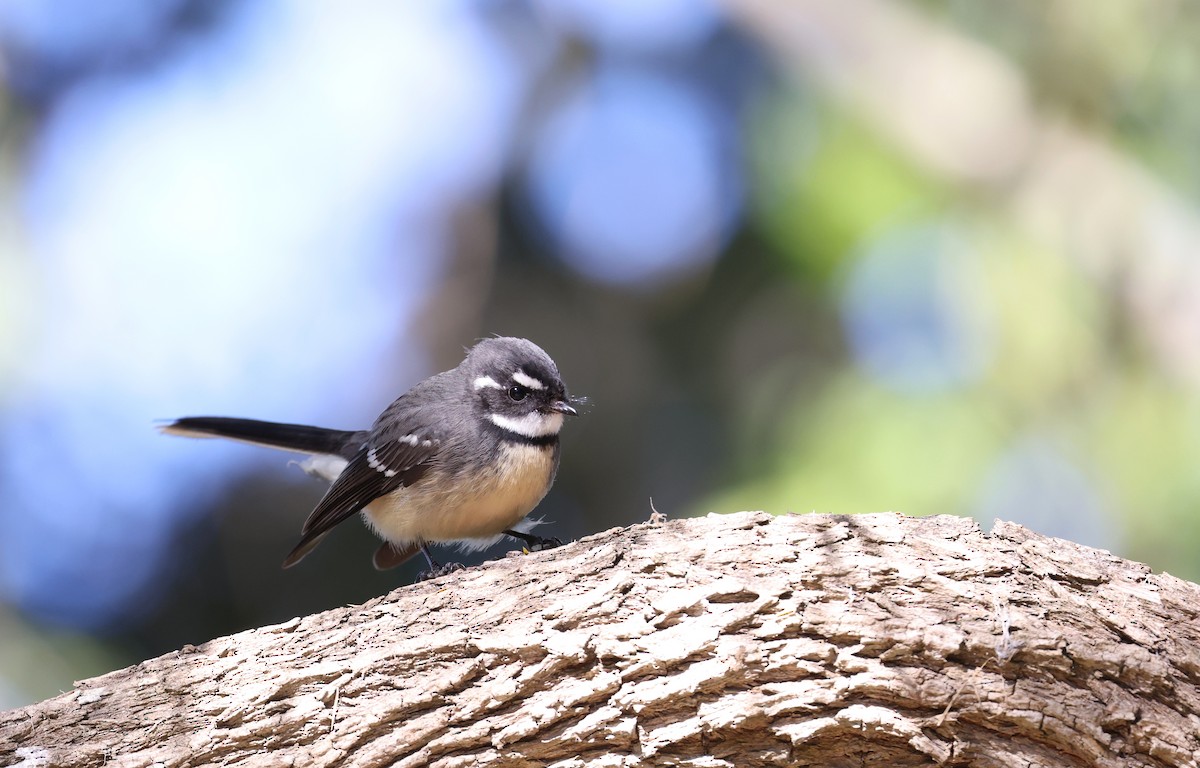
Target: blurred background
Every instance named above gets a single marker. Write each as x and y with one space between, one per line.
929 256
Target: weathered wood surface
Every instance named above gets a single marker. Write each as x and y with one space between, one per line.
736 640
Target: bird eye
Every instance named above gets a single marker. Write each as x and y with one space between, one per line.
517 392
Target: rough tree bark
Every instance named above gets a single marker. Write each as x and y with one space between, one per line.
738 640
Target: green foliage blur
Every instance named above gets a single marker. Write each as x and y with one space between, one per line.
1068 365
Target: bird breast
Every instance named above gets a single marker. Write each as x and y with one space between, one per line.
444 508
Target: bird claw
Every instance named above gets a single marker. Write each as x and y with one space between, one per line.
541 545
439 570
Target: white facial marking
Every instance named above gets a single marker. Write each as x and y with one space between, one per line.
486 381
531 424
527 381
374 463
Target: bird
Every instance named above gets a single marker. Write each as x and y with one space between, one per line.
462 457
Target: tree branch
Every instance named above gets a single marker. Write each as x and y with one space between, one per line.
738 640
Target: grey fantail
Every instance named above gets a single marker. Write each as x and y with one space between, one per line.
462 457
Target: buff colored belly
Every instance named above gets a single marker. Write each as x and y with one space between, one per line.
494 502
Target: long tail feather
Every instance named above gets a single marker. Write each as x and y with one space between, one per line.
288 437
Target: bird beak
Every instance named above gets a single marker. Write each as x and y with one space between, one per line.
562 406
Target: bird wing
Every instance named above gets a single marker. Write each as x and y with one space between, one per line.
393 456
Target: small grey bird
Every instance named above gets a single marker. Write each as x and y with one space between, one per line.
461 457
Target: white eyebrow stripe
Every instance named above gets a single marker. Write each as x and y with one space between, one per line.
527 381
487 381
531 424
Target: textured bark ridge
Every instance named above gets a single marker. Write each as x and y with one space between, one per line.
735 640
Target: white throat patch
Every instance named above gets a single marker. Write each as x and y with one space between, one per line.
531 424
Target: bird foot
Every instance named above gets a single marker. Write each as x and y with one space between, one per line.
534 543
436 570
539 544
